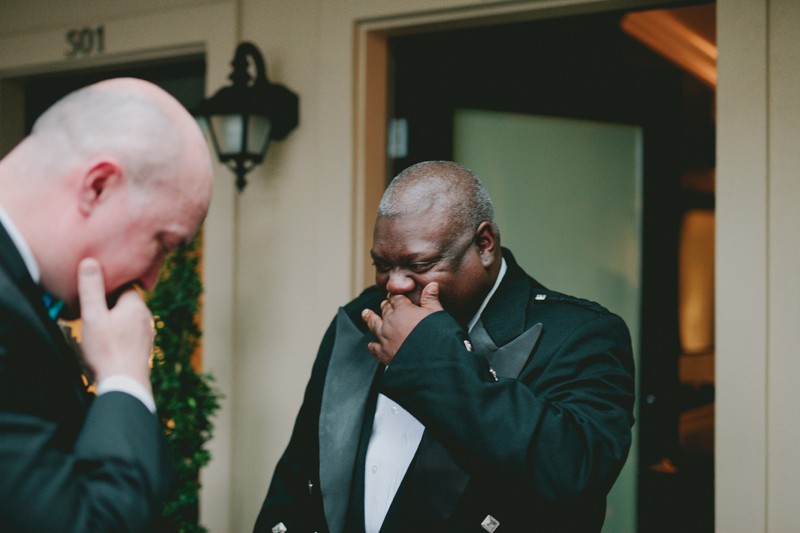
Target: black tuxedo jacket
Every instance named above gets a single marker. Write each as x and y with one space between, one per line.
68 461
528 423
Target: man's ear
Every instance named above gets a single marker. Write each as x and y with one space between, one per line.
96 183
488 243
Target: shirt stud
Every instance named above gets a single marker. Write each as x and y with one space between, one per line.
540 297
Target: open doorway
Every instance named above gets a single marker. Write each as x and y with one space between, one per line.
589 68
182 77
27 97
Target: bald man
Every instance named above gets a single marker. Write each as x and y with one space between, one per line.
111 179
457 394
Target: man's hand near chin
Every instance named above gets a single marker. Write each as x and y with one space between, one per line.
116 341
399 317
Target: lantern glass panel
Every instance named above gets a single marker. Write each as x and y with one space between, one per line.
258 128
228 130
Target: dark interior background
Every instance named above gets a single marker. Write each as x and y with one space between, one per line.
585 67
182 77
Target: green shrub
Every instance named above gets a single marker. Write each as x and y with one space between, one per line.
186 399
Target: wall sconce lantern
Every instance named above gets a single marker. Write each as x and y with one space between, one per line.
242 118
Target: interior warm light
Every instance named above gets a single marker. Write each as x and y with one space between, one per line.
671 34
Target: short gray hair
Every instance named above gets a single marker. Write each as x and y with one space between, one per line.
445 186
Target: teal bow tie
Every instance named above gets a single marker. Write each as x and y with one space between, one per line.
53 306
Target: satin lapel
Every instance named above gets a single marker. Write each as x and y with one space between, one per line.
347 383
509 360
27 302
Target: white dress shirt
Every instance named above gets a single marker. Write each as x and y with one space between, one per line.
396 435
120 383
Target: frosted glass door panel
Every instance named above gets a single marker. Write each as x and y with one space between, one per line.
567 196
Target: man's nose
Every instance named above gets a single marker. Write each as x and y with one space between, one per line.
399 282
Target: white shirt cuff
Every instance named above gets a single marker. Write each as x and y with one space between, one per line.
128 385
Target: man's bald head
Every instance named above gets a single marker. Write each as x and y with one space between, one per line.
443 186
118 171
131 119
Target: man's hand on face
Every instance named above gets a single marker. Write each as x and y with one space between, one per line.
399 317
116 341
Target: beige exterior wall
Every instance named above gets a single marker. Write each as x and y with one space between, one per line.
741 292
758 288
284 254
783 393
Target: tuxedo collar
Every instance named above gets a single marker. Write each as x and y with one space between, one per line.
23 249
344 397
12 261
30 306
505 316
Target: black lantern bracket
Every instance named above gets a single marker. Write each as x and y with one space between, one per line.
242 118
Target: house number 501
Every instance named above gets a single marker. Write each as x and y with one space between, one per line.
85 41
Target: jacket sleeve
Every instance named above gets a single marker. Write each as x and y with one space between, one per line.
65 465
116 478
562 429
